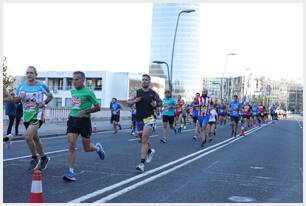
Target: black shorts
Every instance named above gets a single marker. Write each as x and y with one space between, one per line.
32 122
211 123
235 119
79 126
115 118
195 118
169 119
246 116
261 114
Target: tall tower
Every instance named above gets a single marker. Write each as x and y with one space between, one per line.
186 73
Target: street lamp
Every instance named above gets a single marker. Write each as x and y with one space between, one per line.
175 31
169 80
230 54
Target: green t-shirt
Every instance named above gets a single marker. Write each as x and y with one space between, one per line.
82 99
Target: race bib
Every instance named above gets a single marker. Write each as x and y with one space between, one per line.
203 108
76 102
149 120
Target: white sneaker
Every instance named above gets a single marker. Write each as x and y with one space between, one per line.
140 167
9 141
150 156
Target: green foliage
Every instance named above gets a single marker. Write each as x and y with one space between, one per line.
8 80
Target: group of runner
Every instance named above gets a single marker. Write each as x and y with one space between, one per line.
35 95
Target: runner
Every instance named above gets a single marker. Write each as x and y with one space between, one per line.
115 114
261 110
235 108
212 122
79 121
254 115
184 114
222 113
168 112
31 94
273 112
146 100
179 114
246 115
195 113
133 118
205 104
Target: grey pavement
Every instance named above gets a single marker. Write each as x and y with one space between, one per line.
266 166
58 128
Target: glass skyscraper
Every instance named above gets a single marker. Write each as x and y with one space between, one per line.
186 73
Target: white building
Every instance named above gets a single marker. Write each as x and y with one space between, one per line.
105 85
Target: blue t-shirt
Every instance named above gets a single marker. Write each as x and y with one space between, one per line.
133 110
195 110
115 106
168 106
34 94
273 110
254 110
235 109
222 108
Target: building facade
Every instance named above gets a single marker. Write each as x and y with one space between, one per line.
106 85
186 79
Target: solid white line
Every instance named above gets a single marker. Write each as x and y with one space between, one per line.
298 122
138 138
23 157
101 191
127 189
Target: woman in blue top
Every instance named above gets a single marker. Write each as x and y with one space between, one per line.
168 112
115 118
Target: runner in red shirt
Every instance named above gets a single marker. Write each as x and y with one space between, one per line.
246 114
179 114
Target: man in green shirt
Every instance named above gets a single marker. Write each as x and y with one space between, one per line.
79 121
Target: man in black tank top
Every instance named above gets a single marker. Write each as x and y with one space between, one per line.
146 101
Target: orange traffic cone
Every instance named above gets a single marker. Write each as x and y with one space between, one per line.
94 128
36 195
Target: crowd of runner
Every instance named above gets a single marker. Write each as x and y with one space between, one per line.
203 112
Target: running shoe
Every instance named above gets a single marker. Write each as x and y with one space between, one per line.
120 126
44 163
175 131
133 134
8 140
163 140
34 164
180 130
210 140
70 176
203 143
140 167
195 138
214 133
100 151
150 156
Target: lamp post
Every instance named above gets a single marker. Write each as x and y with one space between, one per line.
169 79
230 54
174 38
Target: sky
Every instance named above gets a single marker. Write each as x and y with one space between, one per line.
267 37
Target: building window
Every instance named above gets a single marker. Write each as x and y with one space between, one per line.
68 102
98 84
55 84
69 83
56 102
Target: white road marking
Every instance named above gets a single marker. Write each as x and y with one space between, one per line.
257 168
138 138
298 122
150 179
27 156
119 184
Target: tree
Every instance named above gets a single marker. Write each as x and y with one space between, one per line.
8 80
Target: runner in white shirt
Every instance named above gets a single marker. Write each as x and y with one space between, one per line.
212 122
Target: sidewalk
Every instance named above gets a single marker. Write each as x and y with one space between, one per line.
51 129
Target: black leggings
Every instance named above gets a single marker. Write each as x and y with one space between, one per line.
11 122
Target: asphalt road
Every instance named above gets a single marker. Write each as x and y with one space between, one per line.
264 166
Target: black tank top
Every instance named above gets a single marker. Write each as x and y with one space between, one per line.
144 108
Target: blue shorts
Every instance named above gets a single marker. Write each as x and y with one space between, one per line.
203 120
235 119
223 114
141 124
